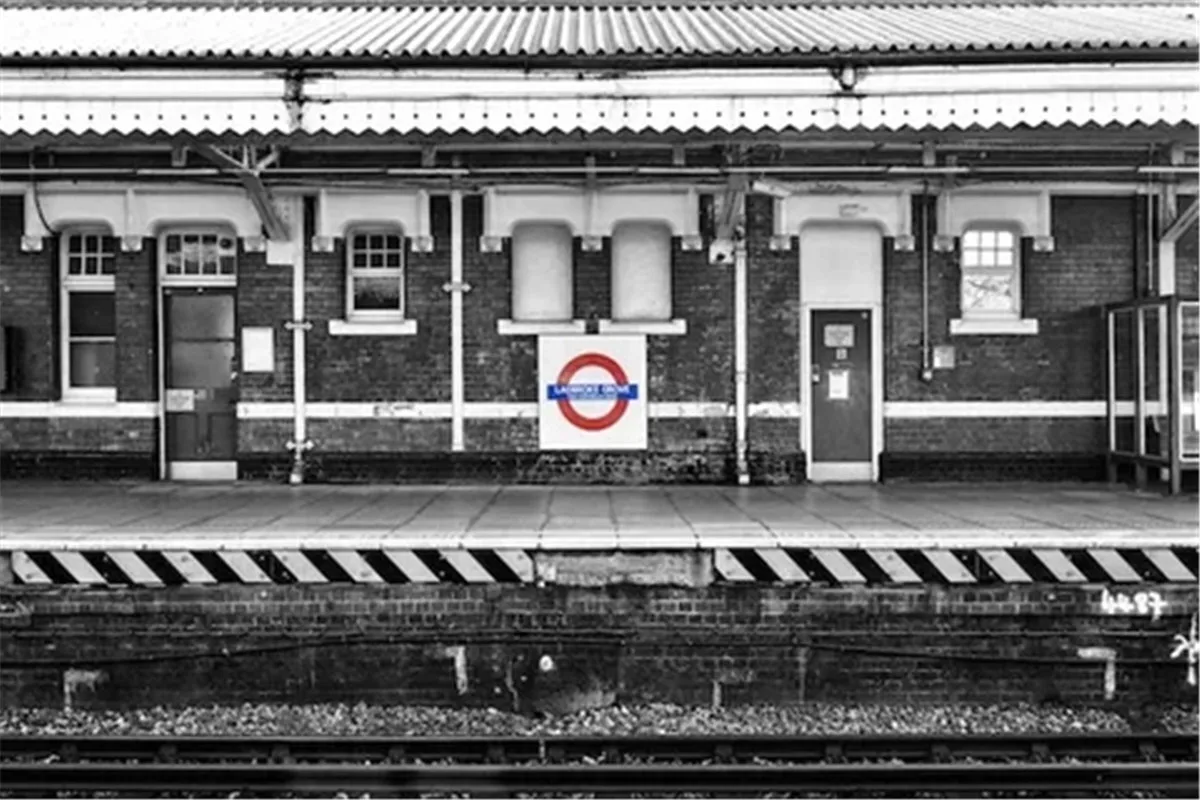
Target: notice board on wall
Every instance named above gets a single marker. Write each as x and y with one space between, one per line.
592 392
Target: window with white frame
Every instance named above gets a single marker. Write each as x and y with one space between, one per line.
641 272
375 274
991 274
198 254
542 272
89 318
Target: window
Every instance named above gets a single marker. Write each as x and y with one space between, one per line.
199 254
991 274
641 272
89 340
542 270
375 275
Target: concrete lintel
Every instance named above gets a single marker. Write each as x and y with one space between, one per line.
688 568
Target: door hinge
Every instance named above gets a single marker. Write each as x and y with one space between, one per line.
303 324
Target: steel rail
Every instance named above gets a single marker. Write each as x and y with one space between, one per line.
503 749
1175 779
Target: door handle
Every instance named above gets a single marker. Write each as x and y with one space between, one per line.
816 374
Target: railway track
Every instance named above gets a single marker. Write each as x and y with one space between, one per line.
1162 763
517 749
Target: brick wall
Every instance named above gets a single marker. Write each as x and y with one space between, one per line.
762 644
28 303
1094 262
137 323
382 368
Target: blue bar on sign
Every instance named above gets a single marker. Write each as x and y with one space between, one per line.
592 391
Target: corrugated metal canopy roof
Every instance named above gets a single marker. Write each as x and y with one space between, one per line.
434 101
586 33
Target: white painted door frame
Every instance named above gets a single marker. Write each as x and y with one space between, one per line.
846 273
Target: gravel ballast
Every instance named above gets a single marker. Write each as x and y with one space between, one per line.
652 719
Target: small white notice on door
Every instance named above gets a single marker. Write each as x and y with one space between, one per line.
181 400
839 384
258 350
839 336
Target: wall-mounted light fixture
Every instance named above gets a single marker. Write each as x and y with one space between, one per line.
847 76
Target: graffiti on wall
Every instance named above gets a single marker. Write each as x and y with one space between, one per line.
1188 646
1146 604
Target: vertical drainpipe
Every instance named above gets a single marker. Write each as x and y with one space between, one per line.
298 205
298 325
926 344
739 341
456 288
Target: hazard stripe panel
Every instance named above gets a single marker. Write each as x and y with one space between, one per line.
816 566
208 567
957 567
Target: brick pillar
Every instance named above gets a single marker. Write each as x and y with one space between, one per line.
137 327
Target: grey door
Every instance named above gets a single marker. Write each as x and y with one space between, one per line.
841 385
201 375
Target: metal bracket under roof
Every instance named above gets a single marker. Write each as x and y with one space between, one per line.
248 170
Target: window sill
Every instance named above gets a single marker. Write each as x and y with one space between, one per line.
513 327
993 327
665 327
87 396
399 327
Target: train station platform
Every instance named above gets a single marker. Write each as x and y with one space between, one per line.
171 533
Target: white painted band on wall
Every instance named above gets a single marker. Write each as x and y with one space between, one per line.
1029 409
1002 409
38 409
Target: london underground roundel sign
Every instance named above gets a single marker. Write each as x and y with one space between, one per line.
619 391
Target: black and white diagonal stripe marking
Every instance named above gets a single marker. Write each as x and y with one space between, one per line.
202 567
956 567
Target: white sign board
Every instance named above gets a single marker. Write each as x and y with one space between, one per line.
592 392
258 350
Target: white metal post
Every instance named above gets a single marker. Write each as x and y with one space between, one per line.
457 287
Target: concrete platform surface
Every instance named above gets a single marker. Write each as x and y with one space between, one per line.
133 516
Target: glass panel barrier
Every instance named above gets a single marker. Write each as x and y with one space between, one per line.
1124 379
1189 386
1156 420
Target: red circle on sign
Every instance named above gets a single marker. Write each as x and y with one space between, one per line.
618 375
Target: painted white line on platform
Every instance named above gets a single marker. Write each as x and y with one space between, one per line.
519 562
896 567
1116 566
355 566
1057 562
244 567
839 566
467 566
1005 566
408 563
298 564
135 568
1170 565
187 566
783 565
948 565
729 567
29 572
80 569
